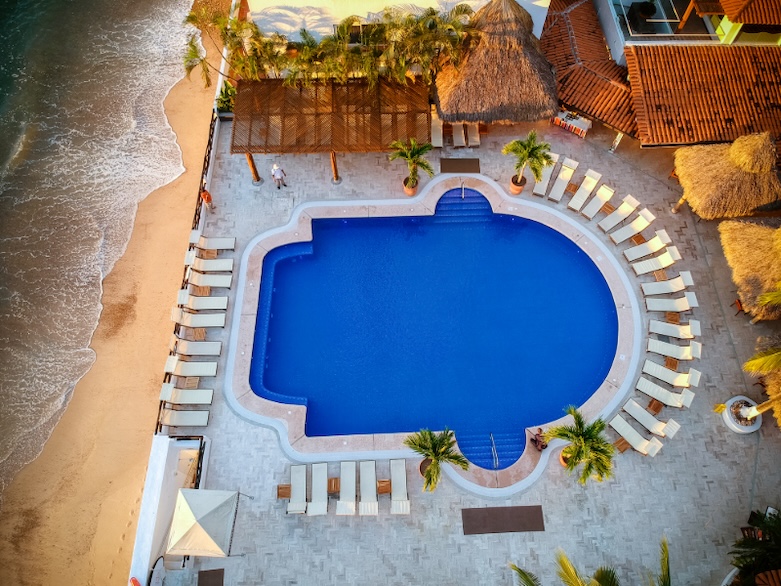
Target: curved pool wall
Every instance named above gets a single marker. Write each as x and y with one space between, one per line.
289 420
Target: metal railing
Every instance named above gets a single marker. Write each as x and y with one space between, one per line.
494 452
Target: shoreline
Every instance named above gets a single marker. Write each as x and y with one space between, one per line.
69 516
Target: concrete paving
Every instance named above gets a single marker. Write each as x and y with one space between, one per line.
698 491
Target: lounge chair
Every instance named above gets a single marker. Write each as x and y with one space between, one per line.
176 367
685 303
473 134
399 497
664 260
437 137
584 191
693 350
682 399
318 505
566 172
214 243
647 447
346 503
208 279
184 299
541 186
459 138
674 285
650 422
655 244
640 223
297 503
603 195
671 377
174 418
368 504
202 265
680 331
170 394
197 320
189 348
621 213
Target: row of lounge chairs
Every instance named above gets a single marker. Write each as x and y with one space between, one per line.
463 134
343 489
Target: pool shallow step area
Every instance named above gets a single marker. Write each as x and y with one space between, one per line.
491 451
464 205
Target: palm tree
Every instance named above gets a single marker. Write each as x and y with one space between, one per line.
413 153
438 448
525 578
528 152
759 553
663 579
588 446
569 576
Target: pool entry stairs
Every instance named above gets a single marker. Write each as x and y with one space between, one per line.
471 208
498 454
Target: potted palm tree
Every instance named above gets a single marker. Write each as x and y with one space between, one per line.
604 576
527 152
413 153
588 447
436 449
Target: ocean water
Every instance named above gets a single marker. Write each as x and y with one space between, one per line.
83 139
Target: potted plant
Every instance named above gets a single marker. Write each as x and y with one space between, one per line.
588 447
436 449
759 550
527 152
413 153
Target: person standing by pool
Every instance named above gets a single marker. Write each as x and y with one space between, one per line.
278 175
206 198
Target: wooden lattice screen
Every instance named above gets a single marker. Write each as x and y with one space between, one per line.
270 117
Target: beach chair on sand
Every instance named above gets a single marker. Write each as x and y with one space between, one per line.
673 285
473 134
651 423
173 418
541 186
297 503
346 503
584 191
178 368
682 399
685 303
680 331
202 265
640 223
197 320
693 350
632 436
628 205
566 172
664 260
318 505
368 504
174 396
672 377
399 497
459 138
655 244
208 279
437 136
196 303
603 195
189 348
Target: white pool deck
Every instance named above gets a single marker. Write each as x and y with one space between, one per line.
698 491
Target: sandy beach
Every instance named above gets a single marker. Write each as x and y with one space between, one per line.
70 516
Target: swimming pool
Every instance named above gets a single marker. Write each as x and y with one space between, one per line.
483 322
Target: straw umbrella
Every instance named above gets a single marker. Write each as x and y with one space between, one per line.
773 389
504 77
728 180
753 252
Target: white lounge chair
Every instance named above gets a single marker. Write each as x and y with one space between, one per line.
368 504
203 265
682 399
176 367
473 134
215 243
197 320
640 223
693 350
655 244
318 504
346 503
189 348
399 497
650 422
685 303
437 137
459 138
566 172
671 377
664 260
297 503
170 394
196 303
603 195
173 418
208 279
673 285
541 186
584 191
621 213
680 331
647 447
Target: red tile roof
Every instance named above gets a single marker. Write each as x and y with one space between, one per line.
753 11
688 94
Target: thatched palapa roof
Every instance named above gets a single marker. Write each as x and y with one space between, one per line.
753 252
504 77
729 180
772 380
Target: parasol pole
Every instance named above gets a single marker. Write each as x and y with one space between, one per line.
336 180
256 180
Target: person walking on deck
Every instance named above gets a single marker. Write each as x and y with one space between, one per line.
278 175
206 198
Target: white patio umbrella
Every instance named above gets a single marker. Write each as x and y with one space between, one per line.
203 523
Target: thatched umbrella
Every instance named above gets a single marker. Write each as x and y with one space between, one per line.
773 389
728 180
753 252
504 77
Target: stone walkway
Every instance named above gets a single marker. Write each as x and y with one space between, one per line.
697 491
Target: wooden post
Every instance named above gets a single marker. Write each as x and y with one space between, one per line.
686 16
336 180
616 142
678 205
253 169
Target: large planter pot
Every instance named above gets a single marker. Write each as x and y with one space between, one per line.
516 186
563 460
424 464
733 419
410 190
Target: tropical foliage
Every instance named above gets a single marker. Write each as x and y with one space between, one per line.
663 578
529 152
588 447
414 154
227 97
439 449
759 553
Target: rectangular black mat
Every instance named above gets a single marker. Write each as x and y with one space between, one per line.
459 165
502 520
211 577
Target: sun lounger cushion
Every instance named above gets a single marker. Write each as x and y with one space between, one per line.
318 505
297 502
170 394
473 134
671 377
197 320
682 399
196 303
680 331
459 138
174 366
541 186
685 303
674 285
189 348
208 279
216 243
603 195
655 244
346 503
693 350
664 260
173 418
638 442
640 223
628 205
203 265
650 422
399 497
584 191
566 172
368 504
437 138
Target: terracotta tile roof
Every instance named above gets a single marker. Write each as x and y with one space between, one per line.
588 80
688 94
753 11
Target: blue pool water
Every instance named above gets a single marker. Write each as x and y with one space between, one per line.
481 322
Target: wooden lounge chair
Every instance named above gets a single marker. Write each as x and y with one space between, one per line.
173 418
655 244
685 303
437 134
674 285
640 223
195 303
197 320
188 348
671 377
297 503
346 503
647 447
680 331
603 195
459 138
318 505
170 394
368 504
541 186
584 191
664 260
650 422
208 279
399 497
176 367
473 134
628 205
693 350
566 172
669 398
202 265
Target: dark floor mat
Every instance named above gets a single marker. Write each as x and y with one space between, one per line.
211 577
502 520
459 165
